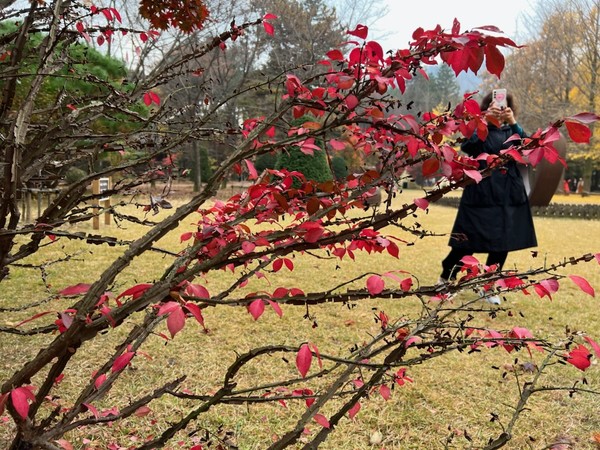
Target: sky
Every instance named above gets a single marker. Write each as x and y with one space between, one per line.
404 16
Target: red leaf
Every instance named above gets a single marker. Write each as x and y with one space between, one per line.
196 312
583 284
335 55
406 284
585 117
116 14
594 345
579 357
280 292
276 308
80 27
186 236
19 398
252 173
412 340
578 132
269 16
196 290
421 203
107 14
277 265
550 284
269 29
474 174
304 360
147 99
91 408
142 411
354 410
316 350
76 289
541 291
167 308
256 308
313 235
289 264
309 400
392 249
351 101
135 291
100 381
176 321
322 420
121 362
430 166
337 145
494 60
375 284
35 316
248 247
154 97
469 260
385 392
361 31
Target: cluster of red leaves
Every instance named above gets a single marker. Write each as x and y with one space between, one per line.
187 15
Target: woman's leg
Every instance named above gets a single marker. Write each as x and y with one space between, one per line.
497 258
449 265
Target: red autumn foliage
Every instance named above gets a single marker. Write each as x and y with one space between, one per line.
187 15
256 235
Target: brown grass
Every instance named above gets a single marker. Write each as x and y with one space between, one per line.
451 396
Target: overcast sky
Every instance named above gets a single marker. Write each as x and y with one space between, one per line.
395 29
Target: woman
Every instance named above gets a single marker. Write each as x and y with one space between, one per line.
494 216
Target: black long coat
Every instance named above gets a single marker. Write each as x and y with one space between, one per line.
494 215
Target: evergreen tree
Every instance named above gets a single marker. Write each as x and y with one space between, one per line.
314 167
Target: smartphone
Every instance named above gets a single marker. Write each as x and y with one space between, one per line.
499 97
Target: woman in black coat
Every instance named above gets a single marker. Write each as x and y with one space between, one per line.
494 216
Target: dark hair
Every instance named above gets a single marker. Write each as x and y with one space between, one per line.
487 101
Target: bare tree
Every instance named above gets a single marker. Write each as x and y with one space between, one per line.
557 72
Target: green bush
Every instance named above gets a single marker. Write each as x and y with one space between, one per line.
75 174
265 161
314 167
339 167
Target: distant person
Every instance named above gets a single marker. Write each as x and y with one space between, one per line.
566 187
580 186
494 216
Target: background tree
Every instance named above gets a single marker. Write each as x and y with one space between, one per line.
556 73
433 90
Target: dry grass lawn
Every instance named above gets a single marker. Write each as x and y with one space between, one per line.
453 396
